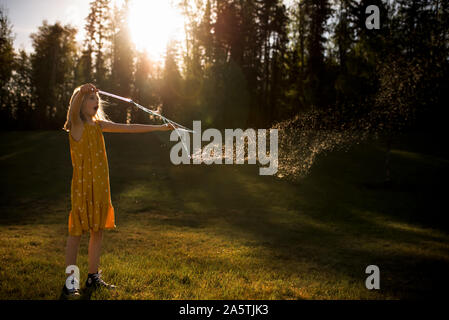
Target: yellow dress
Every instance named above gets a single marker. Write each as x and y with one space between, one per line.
90 193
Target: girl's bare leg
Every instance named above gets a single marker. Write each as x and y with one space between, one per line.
73 243
94 250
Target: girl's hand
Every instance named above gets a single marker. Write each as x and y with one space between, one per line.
169 126
88 88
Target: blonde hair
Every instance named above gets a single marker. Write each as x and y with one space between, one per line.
100 115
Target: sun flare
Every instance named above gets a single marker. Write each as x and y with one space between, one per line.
153 23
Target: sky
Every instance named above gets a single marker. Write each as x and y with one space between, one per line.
27 15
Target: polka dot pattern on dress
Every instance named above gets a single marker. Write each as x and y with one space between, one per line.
91 207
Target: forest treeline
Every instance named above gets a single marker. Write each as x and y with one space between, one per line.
243 63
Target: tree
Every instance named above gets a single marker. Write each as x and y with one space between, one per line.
95 43
316 86
204 35
122 61
296 55
23 93
421 36
239 42
84 70
171 87
6 68
53 64
145 87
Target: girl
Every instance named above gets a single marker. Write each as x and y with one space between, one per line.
92 209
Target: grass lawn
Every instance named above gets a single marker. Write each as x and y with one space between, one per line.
224 232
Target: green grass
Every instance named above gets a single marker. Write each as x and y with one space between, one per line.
224 232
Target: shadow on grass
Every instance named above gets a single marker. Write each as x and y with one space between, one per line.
340 218
342 226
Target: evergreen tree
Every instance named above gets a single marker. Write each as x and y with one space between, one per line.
23 93
145 88
122 62
171 87
96 41
6 68
53 64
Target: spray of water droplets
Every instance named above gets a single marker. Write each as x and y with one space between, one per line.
308 135
300 140
239 151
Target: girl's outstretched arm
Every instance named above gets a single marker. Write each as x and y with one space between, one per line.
107 126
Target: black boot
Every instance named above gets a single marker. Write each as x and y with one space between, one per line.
94 281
